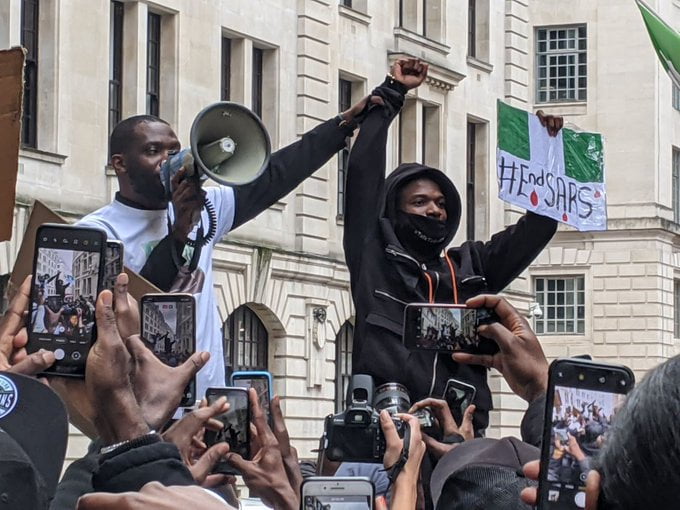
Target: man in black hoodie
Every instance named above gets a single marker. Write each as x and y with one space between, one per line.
395 231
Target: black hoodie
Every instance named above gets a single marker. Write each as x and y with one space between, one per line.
385 277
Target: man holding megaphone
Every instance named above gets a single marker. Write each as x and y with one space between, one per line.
169 224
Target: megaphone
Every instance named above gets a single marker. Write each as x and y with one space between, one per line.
229 144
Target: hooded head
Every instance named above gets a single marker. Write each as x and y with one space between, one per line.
423 231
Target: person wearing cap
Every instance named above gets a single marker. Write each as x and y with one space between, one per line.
395 230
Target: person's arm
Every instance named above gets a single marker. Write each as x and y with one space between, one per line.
510 251
367 159
288 167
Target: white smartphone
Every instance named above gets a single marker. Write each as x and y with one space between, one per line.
337 493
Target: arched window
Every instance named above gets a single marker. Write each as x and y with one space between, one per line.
246 341
343 363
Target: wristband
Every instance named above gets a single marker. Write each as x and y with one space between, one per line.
123 446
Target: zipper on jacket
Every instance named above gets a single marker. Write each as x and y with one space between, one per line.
390 296
396 253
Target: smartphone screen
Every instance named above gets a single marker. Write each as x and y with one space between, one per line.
114 263
236 424
261 382
67 277
444 329
169 330
583 399
458 395
321 493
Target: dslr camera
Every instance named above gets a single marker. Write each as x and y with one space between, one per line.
355 434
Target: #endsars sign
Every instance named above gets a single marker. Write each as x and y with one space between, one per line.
561 177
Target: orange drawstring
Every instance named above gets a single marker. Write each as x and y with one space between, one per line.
453 278
431 287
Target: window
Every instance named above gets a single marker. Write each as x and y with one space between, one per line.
676 185
346 3
258 62
419 133
430 135
153 64
562 64
343 364
562 302
470 190
676 309
4 282
472 28
246 341
226 69
115 64
676 97
344 103
29 40
422 16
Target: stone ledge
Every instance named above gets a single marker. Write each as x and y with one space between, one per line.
407 35
479 64
354 15
44 156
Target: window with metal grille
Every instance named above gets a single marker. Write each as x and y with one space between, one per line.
344 103
258 62
562 302
246 341
470 181
343 364
153 64
115 64
472 28
226 69
676 184
676 309
29 40
562 64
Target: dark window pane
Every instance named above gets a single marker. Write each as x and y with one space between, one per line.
258 62
226 69
153 59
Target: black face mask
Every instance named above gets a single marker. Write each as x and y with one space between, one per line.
422 236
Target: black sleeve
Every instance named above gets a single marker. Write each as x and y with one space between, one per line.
510 252
160 268
77 480
366 172
133 468
288 167
531 428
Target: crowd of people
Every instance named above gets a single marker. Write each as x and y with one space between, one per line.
397 250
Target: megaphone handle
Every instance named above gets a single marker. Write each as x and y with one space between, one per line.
212 226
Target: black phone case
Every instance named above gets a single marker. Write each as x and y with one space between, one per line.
225 468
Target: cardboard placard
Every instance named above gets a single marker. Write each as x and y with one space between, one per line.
137 286
12 87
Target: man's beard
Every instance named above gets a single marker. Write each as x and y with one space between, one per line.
148 186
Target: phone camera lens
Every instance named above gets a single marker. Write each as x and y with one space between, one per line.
602 380
86 242
581 377
623 382
65 241
560 374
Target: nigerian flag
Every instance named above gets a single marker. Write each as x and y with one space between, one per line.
666 42
561 177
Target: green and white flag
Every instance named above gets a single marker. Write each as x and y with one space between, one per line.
561 177
666 42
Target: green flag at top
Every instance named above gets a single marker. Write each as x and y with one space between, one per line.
666 41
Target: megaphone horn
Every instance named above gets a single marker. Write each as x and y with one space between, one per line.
229 144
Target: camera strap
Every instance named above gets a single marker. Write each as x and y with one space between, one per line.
396 468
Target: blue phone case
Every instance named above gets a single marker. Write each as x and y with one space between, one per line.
251 374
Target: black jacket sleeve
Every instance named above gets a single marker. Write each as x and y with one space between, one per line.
288 167
77 479
510 251
531 427
133 468
366 172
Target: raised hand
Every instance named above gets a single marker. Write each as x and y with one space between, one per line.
521 359
409 72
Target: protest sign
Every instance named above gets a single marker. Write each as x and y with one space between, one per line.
561 177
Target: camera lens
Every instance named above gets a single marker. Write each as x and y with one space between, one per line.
581 377
602 380
623 382
560 374
392 397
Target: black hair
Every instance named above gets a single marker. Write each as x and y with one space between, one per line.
124 132
640 462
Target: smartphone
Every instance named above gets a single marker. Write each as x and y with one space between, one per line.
458 395
261 381
169 331
447 328
337 493
68 272
583 399
236 421
113 263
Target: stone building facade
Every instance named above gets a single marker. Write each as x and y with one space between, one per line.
282 286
